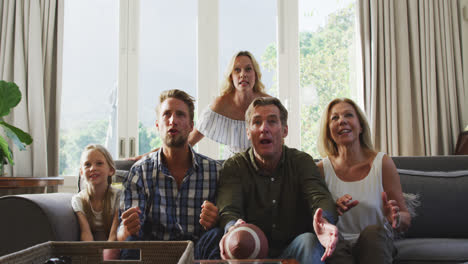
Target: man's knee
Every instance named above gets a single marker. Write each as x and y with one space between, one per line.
207 247
305 248
307 241
211 238
216 232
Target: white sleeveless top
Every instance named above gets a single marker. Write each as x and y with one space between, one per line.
224 130
367 191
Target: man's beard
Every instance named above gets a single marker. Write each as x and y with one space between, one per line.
174 142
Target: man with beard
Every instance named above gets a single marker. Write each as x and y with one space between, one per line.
170 194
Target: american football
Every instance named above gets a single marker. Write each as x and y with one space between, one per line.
246 241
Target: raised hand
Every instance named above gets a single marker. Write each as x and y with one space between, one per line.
209 215
326 233
344 203
131 221
391 211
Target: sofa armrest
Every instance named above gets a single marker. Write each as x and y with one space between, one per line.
31 219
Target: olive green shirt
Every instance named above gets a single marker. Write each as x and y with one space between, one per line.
282 204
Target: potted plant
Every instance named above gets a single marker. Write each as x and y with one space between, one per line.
10 96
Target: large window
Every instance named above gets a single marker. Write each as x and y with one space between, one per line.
167 59
90 74
119 56
248 25
239 24
327 48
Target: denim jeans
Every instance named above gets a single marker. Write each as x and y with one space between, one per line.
305 248
207 247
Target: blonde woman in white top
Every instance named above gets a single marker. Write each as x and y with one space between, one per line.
358 177
224 120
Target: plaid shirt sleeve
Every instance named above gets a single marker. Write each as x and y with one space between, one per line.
134 194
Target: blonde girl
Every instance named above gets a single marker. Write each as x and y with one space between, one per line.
97 204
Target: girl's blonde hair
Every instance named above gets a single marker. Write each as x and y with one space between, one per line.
107 212
228 86
326 145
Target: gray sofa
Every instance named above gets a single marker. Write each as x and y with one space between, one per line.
439 234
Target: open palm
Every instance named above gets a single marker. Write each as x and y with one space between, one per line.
326 233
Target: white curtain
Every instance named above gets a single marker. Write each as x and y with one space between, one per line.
30 56
412 74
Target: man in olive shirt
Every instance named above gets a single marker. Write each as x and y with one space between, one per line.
279 189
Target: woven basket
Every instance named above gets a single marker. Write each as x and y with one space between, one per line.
91 252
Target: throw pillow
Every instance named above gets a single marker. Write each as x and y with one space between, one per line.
412 202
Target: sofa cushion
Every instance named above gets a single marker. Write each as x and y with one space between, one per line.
122 168
120 175
442 212
432 163
124 165
432 250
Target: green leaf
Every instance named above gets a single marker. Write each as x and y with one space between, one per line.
10 96
18 136
5 151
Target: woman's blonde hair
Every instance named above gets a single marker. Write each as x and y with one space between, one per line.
326 145
228 86
107 212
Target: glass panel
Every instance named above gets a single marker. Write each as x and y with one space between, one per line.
167 59
327 59
249 25
90 70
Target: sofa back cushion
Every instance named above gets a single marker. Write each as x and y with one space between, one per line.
441 182
122 167
432 163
